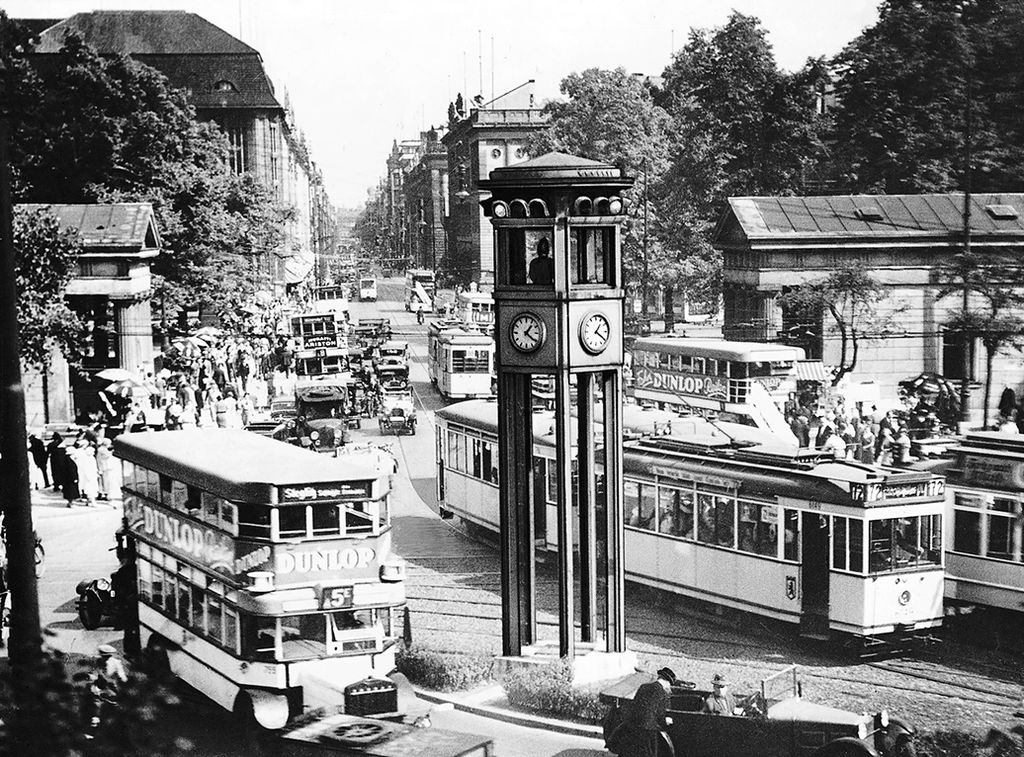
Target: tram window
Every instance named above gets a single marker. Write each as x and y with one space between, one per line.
487 462
145 572
631 502
967 532
1000 538
758 529
325 520
897 543
254 520
725 526
291 521
303 636
791 535
839 543
706 519
676 512
648 501
552 481
856 536
476 472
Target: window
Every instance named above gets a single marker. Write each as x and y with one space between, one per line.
254 521
716 523
552 481
791 535
967 532
758 529
675 512
359 517
897 543
325 520
590 255
291 521
518 252
303 636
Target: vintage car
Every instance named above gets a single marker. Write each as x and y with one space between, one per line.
397 413
380 326
391 369
775 721
322 420
283 409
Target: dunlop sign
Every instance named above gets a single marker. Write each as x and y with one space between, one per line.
675 382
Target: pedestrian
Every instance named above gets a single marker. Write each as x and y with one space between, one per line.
644 719
798 425
719 701
88 473
105 468
40 455
226 410
246 408
69 482
57 461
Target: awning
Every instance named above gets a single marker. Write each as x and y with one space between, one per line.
812 370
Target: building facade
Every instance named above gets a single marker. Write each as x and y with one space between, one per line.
493 135
225 82
426 205
773 244
110 291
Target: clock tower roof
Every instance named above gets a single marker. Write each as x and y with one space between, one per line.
557 169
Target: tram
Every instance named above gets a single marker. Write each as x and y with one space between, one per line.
985 501
264 572
460 361
832 546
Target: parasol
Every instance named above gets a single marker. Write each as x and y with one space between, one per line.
115 374
927 383
208 333
129 387
188 346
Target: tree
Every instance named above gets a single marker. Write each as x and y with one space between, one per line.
904 89
740 127
851 296
109 129
611 116
45 259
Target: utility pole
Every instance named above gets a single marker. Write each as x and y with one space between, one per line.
968 264
25 639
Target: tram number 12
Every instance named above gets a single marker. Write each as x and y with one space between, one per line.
336 597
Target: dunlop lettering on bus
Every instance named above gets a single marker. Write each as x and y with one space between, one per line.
675 382
181 537
347 561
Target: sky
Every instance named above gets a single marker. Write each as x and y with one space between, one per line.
363 74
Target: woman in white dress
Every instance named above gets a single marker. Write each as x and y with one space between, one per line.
88 473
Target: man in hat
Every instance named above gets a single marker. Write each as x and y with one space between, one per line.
644 718
112 670
719 701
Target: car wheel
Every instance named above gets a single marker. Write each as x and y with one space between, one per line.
90 611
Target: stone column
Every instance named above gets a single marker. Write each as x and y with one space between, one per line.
134 334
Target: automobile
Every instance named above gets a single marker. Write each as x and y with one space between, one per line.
283 409
775 721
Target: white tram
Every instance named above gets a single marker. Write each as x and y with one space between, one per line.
460 361
985 501
833 546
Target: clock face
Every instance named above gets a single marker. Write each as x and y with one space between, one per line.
594 333
526 332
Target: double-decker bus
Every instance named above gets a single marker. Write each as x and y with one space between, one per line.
419 290
831 546
321 343
265 573
744 382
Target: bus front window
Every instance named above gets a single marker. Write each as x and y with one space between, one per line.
259 637
303 636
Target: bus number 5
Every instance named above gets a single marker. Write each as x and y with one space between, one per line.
338 596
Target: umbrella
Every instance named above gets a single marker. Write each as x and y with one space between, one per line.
208 332
129 387
188 346
115 374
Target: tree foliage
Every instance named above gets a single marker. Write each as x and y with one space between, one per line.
89 128
903 95
45 260
851 296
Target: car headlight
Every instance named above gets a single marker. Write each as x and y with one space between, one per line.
883 719
314 435
103 584
862 730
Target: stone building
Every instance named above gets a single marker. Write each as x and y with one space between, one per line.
771 244
111 293
426 205
226 82
493 135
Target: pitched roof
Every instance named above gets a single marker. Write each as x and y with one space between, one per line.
130 226
847 217
144 33
214 68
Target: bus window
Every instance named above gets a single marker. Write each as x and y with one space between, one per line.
231 639
358 517
291 521
145 572
325 520
214 622
158 586
254 520
303 636
259 638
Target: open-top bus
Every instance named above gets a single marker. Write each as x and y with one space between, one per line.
419 290
829 545
265 573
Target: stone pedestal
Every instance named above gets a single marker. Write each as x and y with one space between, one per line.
591 663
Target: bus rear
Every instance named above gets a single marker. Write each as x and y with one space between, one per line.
419 290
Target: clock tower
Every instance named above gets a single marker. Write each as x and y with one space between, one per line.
558 312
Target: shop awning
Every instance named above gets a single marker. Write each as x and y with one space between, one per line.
812 370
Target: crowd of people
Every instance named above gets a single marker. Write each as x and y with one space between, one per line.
81 466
